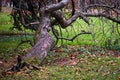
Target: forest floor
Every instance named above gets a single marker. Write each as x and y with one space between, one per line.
67 64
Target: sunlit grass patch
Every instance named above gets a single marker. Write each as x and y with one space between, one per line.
9 43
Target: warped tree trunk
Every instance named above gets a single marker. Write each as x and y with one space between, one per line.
44 41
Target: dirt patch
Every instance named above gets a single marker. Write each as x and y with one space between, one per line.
6 64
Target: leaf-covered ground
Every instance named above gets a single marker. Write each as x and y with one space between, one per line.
73 63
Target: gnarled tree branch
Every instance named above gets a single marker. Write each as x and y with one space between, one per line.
57 6
65 23
102 15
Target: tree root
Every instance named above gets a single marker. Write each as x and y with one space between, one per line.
20 65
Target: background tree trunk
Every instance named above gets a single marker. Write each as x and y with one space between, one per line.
0 5
82 5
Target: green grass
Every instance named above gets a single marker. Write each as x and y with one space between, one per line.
5 22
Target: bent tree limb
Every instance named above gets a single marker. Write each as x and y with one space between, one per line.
69 39
104 7
103 15
65 23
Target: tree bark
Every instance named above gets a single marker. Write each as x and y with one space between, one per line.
44 40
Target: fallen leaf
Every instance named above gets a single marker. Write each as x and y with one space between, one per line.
61 50
112 63
99 59
1 62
